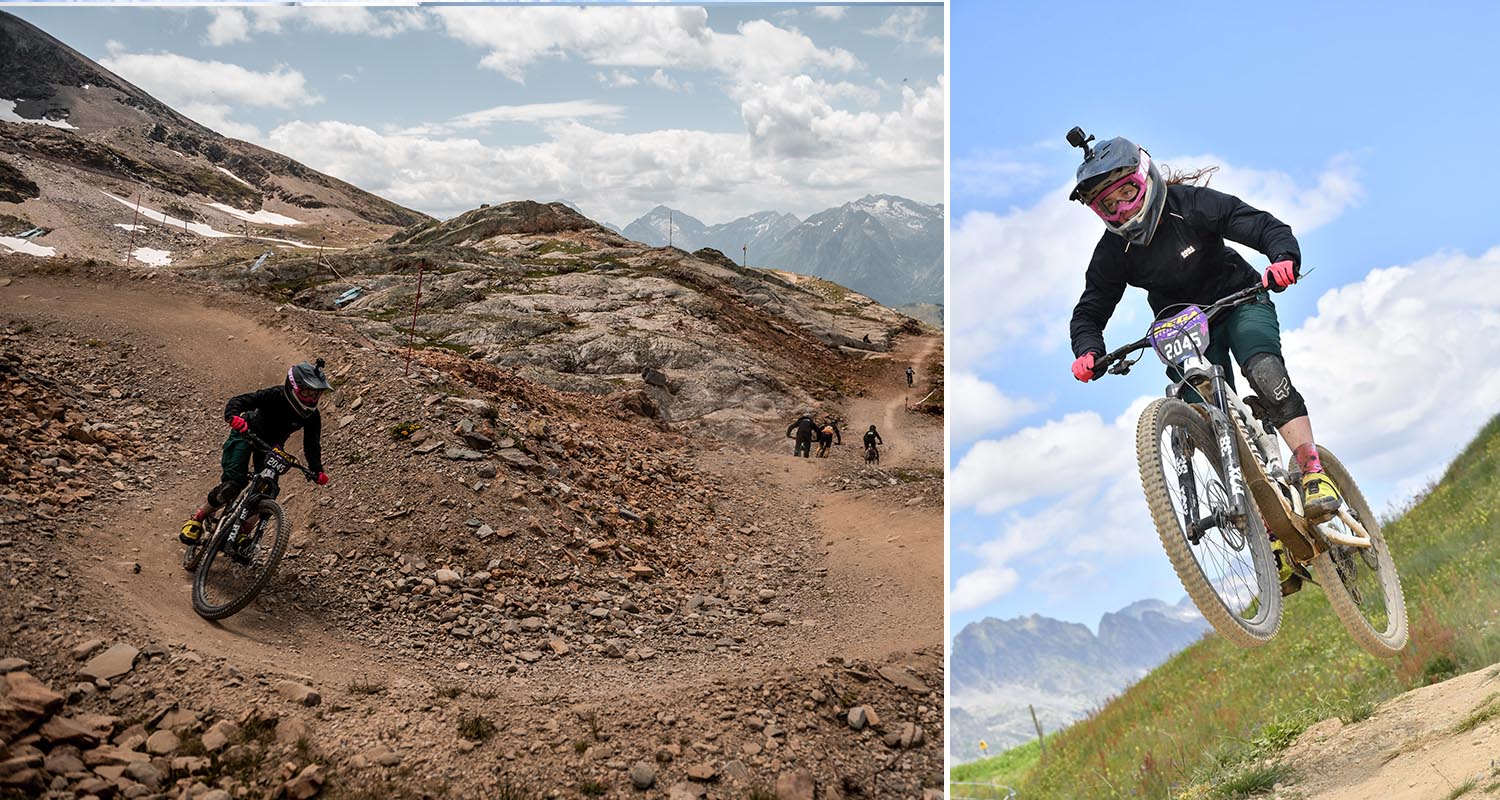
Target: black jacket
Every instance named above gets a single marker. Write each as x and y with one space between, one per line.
271 417
804 426
871 437
1186 262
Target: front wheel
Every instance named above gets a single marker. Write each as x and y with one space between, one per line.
233 572
1361 583
1229 571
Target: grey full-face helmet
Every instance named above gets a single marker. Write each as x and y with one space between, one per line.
1119 181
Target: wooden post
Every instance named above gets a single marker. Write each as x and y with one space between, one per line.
130 248
744 255
415 305
1041 741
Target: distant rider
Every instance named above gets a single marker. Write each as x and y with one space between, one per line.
273 414
804 426
872 437
910 374
826 432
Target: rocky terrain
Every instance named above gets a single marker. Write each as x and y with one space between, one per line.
509 589
1063 669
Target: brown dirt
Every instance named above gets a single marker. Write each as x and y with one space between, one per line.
1411 748
854 556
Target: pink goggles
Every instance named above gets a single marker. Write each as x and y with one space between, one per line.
1127 195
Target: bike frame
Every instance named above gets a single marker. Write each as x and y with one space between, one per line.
1242 449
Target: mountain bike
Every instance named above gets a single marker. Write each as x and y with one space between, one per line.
872 455
235 559
1221 500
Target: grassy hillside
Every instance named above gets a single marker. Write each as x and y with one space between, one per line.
1209 722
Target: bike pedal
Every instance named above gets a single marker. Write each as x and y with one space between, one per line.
1291 585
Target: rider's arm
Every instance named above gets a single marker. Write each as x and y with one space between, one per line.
790 427
312 441
879 440
1103 286
1238 221
239 404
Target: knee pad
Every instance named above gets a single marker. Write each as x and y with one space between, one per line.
1268 378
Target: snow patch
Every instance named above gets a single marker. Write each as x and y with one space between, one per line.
129 227
199 228
156 258
262 216
8 114
26 246
232 175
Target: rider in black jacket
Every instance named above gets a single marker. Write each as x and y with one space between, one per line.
1168 238
804 426
273 413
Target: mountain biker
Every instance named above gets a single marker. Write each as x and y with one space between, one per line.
826 432
805 426
1166 235
872 438
910 374
273 414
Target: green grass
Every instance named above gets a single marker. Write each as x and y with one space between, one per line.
1196 722
476 727
1487 711
1005 768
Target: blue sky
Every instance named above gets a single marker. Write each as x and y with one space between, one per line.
1367 131
719 111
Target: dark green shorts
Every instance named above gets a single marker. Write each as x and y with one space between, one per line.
235 460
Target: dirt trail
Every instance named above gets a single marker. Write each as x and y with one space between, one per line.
1423 745
882 596
202 352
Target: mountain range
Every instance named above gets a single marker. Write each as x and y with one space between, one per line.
1000 667
883 246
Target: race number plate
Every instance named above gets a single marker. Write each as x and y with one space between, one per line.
1177 338
277 463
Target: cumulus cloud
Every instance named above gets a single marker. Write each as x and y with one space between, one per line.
906 26
662 80
1017 275
829 12
977 407
658 36
210 91
616 79
527 113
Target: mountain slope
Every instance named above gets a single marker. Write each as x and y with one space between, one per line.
90 136
1253 702
1001 668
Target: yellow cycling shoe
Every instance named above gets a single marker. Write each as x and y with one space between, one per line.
192 531
1320 498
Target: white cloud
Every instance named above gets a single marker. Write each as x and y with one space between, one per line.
619 175
981 587
617 79
215 116
657 36
1393 367
1016 276
180 80
977 407
829 12
905 26
231 25
566 110
662 80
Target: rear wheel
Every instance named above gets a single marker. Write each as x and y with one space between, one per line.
1229 571
1361 582
233 573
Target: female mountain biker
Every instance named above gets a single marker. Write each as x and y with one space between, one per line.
1167 236
273 414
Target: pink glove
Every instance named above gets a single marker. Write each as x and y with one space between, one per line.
239 424
322 479
1279 276
1083 367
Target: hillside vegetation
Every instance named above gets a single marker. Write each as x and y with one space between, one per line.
1211 721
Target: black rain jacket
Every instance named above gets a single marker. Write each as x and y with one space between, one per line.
804 426
1186 262
272 417
871 437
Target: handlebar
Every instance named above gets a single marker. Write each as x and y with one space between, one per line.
1112 362
262 444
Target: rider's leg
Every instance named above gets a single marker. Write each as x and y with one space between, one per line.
1254 334
234 462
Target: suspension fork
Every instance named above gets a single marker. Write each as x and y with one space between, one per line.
1197 374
